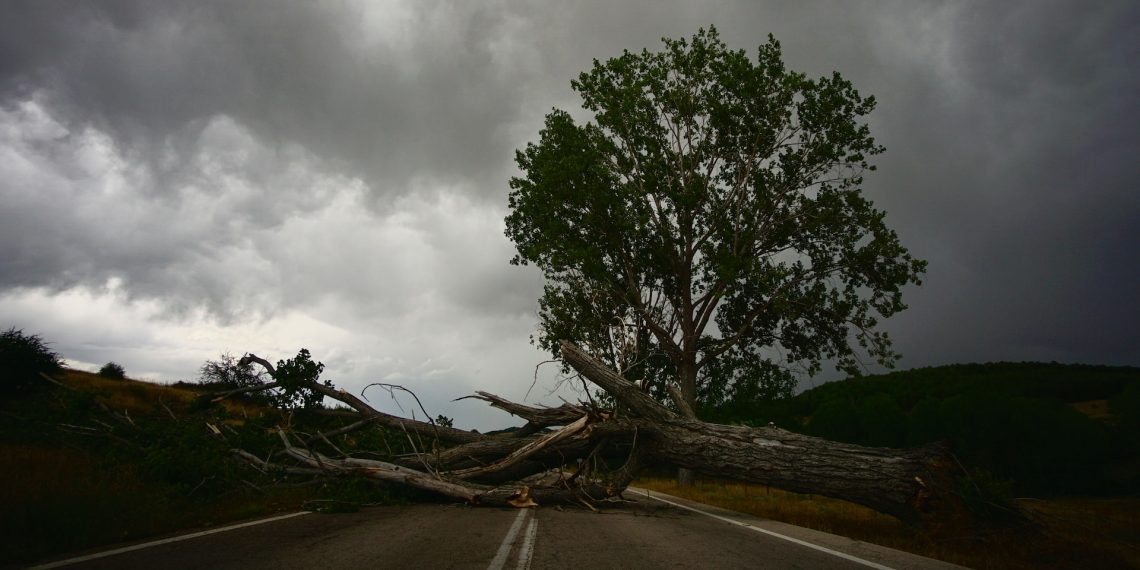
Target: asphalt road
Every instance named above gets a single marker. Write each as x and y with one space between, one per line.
642 533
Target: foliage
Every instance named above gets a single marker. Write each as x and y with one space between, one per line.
294 376
1126 408
78 475
113 370
986 495
227 371
1014 422
708 224
444 421
25 357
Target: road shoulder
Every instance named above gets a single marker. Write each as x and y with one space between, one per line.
873 553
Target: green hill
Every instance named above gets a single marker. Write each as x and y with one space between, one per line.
1042 428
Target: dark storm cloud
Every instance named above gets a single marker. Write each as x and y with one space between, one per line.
1012 168
254 156
389 98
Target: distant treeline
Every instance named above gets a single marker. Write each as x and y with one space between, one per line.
1047 429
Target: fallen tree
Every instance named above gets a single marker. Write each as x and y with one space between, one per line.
536 465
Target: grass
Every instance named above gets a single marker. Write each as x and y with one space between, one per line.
1110 526
1066 533
64 489
1098 410
134 396
75 477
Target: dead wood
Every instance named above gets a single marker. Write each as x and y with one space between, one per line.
424 429
514 469
219 396
520 495
536 416
526 451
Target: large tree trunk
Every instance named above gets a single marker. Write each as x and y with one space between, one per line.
902 483
685 398
505 469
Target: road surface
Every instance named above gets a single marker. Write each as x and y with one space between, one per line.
655 531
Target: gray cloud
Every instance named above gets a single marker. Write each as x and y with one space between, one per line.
274 172
1018 188
391 94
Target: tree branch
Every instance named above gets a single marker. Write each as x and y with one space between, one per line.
380 418
624 391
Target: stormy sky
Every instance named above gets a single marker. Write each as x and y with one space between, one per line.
181 179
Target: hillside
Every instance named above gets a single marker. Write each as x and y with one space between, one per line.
1036 428
98 461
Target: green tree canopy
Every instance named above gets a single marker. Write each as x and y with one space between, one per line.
294 376
707 224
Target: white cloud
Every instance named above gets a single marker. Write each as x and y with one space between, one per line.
229 244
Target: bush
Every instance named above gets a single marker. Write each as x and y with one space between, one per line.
294 377
229 372
113 370
24 358
986 495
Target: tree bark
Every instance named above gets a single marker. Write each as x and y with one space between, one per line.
501 469
685 477
902 483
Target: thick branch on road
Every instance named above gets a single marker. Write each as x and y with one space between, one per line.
526 451
901 483
520 495
501 469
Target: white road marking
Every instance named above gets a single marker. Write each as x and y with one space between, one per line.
104 554
526 551
777 535
508 542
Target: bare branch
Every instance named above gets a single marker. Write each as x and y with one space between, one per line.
540 417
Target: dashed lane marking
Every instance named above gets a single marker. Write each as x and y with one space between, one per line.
508 542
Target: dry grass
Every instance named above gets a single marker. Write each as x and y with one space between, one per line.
139 397
1105 525
1094 409
1084 533
819 513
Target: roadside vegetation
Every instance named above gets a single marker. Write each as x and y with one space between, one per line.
1089 533
96 459
92 460
1059 443
1021 429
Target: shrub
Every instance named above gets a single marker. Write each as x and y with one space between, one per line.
24 358
229 372
113 370
294 377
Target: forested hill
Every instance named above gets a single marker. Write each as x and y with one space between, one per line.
1070 383
1047 428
